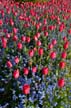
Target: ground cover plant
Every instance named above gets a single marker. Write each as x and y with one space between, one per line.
35 54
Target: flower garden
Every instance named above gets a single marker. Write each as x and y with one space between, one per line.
35 54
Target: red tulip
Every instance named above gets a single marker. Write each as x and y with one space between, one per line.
38 43
51 27
19 46
69 31
16 73
54 42
9 64
26 71
53 55
23 38
15 38
27 39
45 21
62 64
35 38
11 22
4 45
26 89
50 46
16 59
34 69
61 82
65 38
66 45
45 70
15 30
61 28
4 42
40 51
31 52
38 35
44 28
64 54
45 33
8 35
1 22
37 26
35 49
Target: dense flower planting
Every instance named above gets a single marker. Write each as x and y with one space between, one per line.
35 54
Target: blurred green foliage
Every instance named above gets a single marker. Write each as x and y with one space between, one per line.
31 0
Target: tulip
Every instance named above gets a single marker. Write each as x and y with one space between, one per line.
9 64
53 55
63 54
61 82
16 73
31 52
25 71
16 59
34 69
26 89
40 51
62 64
45 70
19 46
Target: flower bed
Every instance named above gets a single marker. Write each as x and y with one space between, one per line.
35 54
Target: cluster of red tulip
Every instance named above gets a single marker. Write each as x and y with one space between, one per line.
42 32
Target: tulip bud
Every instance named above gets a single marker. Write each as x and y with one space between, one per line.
61 82
16 73
26 89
